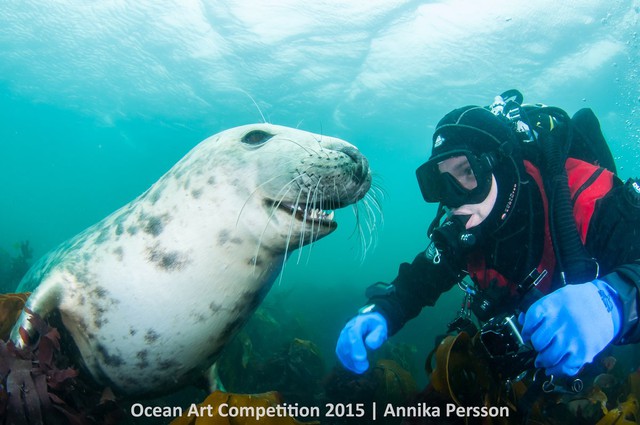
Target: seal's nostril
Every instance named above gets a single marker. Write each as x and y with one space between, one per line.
352 153
362 165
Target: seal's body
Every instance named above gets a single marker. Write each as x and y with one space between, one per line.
151 294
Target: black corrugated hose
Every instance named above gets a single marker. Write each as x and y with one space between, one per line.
574 262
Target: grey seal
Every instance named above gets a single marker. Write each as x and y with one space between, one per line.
151 294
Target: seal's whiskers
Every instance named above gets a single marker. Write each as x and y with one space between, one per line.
261 185
255 104
372 210
314 200
306 149
287 186
293 218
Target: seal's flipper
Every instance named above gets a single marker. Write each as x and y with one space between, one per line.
41 303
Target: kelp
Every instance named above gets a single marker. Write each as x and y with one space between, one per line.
625 414
462 375
33 388
38 386
11 306
634 383
217 398
394 384
591 407
295 369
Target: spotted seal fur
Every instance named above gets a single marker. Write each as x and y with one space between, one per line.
151 294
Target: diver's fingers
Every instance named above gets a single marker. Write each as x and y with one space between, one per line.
544 336
532 320
376 337
350 348
569 362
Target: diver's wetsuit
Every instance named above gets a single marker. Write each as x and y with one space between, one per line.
612 239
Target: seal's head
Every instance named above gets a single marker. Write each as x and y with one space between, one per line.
331 174
290 180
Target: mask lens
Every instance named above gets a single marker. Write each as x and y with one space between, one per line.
456 179
460 169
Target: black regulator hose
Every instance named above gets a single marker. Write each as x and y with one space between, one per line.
573 260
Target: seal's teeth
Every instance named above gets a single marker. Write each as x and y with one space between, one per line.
305 213
318 214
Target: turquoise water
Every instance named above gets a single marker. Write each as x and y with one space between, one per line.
99 99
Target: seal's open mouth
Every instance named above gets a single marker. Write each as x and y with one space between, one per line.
305 213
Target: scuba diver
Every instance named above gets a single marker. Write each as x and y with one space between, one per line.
530 214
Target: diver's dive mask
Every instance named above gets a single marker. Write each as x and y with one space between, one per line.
456 178
468 143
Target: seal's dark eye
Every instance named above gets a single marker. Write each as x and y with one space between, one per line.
256 137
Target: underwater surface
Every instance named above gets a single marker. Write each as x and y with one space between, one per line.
99 98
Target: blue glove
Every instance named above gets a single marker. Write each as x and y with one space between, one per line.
570 326
366 328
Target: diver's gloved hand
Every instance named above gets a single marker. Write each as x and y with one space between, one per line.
365 328
570 326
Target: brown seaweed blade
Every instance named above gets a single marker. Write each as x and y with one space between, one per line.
625 414
269 399
29 378
11 306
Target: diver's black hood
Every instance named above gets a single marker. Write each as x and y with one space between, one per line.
472 128
477 129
